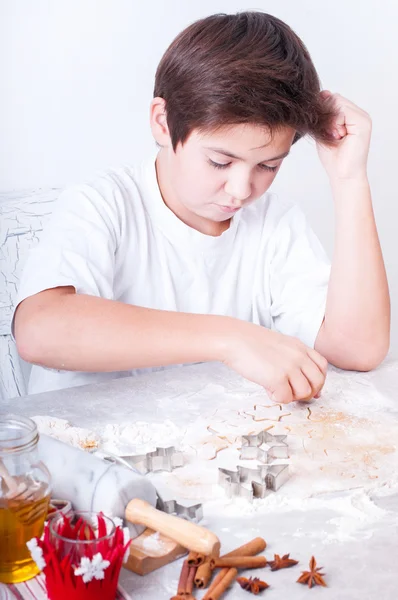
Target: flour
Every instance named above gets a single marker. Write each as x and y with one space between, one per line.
139 437
63 430
342 449
152 542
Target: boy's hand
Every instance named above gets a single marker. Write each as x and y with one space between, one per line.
283 365
352 129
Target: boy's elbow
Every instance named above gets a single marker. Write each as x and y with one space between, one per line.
365 359
26 351
34 322
351 354
26 336
372 358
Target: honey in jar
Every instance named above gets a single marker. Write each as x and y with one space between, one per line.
24 497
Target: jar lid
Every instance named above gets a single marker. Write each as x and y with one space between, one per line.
17 433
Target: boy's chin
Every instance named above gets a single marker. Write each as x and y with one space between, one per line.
214 215
216 218
221 217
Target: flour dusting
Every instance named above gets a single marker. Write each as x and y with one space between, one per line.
343 449
62 430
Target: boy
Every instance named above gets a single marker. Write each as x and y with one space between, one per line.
187 258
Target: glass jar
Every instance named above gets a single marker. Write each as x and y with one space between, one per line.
25 486
76 541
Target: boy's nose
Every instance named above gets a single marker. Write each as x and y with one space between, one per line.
240 190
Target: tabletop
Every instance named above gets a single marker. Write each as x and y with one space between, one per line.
339 505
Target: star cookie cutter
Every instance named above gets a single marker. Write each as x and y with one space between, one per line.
172 507
194 512
161 459
251 447
253 483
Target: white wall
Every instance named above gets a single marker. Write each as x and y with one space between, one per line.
77 77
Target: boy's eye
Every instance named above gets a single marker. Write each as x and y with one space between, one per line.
217 165
267 168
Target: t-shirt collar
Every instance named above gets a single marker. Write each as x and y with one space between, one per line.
172 227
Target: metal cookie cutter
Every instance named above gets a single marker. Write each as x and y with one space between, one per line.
259 482
251 447
161 459
262 481
172 507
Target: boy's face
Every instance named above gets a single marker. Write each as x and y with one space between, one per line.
214 175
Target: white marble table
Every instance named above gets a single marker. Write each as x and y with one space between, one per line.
341 503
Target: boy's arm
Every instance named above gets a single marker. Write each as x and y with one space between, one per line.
63 330
60 329
356 331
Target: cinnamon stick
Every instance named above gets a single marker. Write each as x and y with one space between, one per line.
182 582
185 583
250 549
190 581
204 573
239 562
195 559
216 592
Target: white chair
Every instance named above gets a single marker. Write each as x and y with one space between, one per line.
22 218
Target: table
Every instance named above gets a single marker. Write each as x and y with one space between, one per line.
341 503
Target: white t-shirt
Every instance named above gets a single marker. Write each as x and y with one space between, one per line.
116 239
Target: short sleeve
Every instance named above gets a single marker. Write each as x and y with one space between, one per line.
299 276
77 248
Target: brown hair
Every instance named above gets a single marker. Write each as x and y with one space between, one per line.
244 68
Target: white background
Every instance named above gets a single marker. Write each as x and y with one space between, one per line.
76 79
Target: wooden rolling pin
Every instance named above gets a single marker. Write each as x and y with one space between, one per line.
188 534
89 483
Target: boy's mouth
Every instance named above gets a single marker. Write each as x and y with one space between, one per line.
228 209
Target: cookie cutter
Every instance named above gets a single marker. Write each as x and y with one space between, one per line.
161 459
194 512
251 447
173 459
253 483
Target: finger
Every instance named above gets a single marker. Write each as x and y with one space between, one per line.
281 393
319 360
339 126
339 130
325 94
349 116
342 101
301 386
314 376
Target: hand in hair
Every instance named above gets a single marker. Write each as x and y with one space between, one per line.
351 130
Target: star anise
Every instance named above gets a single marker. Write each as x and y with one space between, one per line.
313 576
253 584
281 563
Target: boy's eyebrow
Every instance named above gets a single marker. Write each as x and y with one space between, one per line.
226 153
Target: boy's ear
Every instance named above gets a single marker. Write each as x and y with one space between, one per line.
158 121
